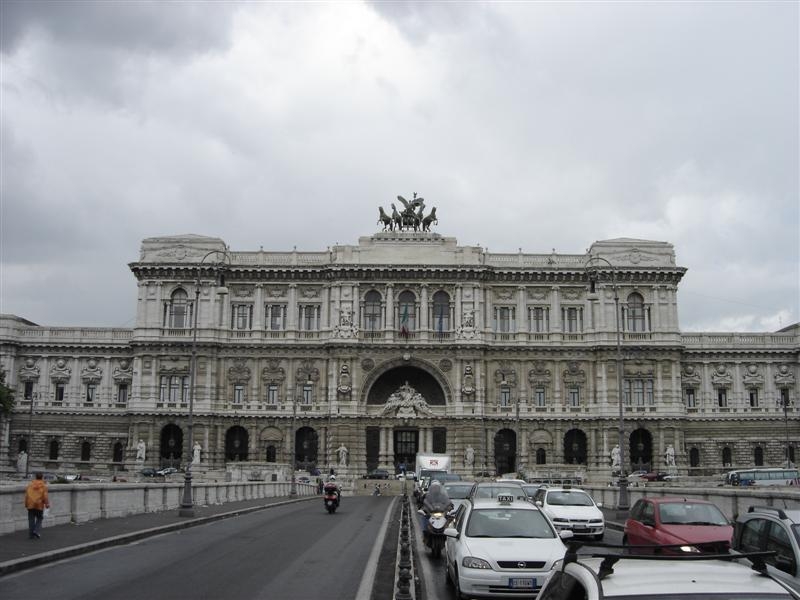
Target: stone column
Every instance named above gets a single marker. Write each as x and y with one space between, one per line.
389 325
423 309
555 311
259 310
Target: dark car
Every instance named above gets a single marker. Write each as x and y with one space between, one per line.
148 472
166 471
694 525
378 474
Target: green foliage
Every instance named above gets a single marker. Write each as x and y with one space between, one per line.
6 395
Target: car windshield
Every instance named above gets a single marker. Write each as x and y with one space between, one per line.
705 596
491 491
690 513
508 523
457 491
530 489
566 498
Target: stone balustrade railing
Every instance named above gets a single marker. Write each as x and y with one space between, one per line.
78 503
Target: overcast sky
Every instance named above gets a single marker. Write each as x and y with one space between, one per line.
528 125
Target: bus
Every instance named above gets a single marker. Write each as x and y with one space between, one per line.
761 477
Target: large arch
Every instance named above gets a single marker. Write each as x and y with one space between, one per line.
306 448
641 450
505 451
575 447
171 449
422 376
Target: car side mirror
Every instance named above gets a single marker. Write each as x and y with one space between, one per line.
599 505
451 532
420 512
565 534
539 503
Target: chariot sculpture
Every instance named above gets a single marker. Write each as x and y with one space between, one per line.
411 218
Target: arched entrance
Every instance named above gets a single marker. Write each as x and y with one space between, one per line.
505 451
237 442
393 379
641 450
305 449
171 449
575 447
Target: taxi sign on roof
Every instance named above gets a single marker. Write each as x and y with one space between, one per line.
505 498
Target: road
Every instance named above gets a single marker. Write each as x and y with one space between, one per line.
296 551
433 573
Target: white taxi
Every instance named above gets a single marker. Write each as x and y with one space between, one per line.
500 547
573 510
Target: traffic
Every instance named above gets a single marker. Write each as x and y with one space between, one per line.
507 538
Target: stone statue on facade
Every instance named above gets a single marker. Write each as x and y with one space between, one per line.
196 450
22 461
469 457
342 452
141 451
615 458
669 456
411 218
406 402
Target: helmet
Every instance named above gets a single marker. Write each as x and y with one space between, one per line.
332 478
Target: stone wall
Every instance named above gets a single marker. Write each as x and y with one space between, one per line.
78 503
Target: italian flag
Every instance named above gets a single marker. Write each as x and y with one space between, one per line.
404 322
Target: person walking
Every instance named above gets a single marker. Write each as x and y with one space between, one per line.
36 500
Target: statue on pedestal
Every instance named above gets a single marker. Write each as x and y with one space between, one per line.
22 461
141 451
342 452
615 459
196 450
669 457
469 457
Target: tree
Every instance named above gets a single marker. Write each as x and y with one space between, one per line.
6 397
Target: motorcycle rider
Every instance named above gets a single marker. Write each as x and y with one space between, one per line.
435 500
332 484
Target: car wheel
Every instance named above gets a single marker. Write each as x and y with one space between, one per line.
459 594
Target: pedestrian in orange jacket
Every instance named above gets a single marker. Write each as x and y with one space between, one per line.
36 500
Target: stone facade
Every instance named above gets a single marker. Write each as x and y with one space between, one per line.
406 342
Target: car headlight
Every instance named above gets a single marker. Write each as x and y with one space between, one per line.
689 549
472 562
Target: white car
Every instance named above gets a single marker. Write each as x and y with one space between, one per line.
572 509
500 547
652 578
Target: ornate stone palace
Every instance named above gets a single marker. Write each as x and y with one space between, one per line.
361 356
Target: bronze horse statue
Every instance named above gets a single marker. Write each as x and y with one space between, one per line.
385 220
431 218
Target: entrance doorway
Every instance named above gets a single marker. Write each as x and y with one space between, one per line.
505 451
406 444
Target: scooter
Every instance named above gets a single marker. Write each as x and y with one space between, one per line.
330 497
433 533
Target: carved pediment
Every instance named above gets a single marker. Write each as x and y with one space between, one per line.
60 372
29 371
307 372
123 372
505 375
574 375
539 375
784 378
239 372
92 373
721 376
406 402
273 372
753 377
690 377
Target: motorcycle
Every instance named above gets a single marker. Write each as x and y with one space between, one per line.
330 497
433 532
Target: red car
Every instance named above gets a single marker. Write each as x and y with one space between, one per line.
694 525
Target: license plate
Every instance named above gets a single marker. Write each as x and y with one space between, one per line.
330 502
580 528
522 583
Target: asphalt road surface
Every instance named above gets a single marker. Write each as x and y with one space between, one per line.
297 551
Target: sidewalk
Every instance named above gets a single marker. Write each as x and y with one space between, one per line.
17 552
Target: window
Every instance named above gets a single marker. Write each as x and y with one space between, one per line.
310 317
635 313
784 398
691 401
28 393
271 453
505 395
439 440
574 396
308 393
504 319
722 397
86 451
753 393
176 311
117 453
53 450
174 388
407 311
758 456
639 392
272 393
541 456
540 319
539 397
242 316
91 389
441 312
372 311
694 457
238 394
276 317
572 319
726 457
122 393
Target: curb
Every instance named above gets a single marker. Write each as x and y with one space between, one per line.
20 564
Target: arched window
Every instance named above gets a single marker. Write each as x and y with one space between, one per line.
575 447
441 312
758 456
305 448
636 321
726 457
505 451
22 446
407 312
53 450
236 443
86 451
372 311
541 456
694 457
171 442
272 453
177 310
117 455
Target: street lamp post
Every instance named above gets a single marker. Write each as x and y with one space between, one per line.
785 404
592 271
187 502
293 484
34 396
